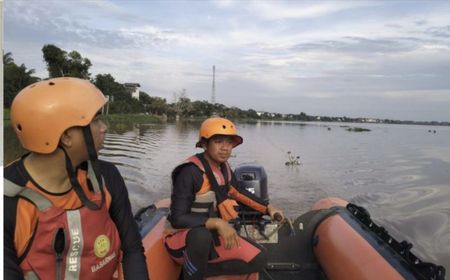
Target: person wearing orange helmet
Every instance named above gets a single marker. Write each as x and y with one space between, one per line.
204 201
68 213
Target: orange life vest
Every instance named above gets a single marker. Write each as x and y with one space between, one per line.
212 198
69 243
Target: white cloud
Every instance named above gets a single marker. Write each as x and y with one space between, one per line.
420 95
262 49
168 36
225 3
272 10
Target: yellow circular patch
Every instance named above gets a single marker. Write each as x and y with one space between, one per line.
101 246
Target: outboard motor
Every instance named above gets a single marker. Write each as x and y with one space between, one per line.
253 178
251 223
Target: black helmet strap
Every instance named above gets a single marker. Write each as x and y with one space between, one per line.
76 185
93 157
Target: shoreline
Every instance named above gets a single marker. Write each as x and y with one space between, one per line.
143 118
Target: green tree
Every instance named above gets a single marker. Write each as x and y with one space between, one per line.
171 112
153 104
120 96
55 58
126 106
108 85
61 64
232 113
202 108
219 109
252 114
15 78
182 106
78 66
7 58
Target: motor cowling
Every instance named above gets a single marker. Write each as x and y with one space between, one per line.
253 178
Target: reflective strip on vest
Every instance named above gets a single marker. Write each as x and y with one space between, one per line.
207 199
202 201
12 189
76 245
200 204
31 276
91 176
41 202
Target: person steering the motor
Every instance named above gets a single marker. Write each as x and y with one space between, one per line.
204 201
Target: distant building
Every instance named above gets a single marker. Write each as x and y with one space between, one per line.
262 113
134 89
368 120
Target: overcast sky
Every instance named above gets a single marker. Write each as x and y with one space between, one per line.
382 59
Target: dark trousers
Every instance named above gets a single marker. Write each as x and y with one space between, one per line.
199 253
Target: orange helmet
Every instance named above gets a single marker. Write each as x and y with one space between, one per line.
41 112
218 126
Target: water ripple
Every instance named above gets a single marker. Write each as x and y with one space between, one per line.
401 178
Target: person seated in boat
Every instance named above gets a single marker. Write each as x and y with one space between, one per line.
67 213
203 202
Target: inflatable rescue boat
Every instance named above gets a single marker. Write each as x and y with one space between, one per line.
335 240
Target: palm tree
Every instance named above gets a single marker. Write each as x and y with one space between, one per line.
29 73
15 78
7 58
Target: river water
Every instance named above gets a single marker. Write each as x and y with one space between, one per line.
400 173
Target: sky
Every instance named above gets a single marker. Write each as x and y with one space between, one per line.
379 59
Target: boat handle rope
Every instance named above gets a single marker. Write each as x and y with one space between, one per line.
425 270
285 221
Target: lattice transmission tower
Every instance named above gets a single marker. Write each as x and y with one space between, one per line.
213 91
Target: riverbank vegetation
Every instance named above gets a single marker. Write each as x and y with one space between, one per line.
357 129
61 63
292 160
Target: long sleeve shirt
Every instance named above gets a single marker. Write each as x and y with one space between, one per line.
187 182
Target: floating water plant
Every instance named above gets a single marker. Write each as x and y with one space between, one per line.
292 160
357 129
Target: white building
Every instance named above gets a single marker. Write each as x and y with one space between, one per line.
135 89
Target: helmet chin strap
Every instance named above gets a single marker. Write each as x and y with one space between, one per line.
93 158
